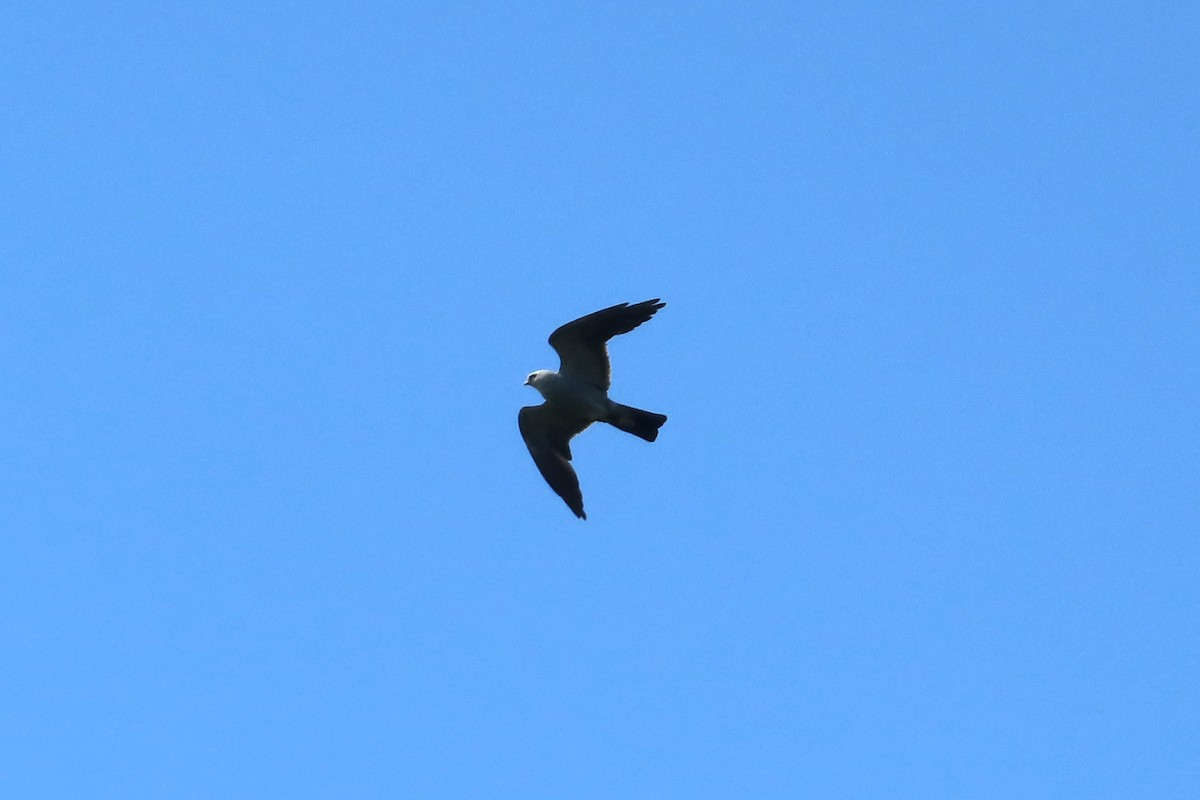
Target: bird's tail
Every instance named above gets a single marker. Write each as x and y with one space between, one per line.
643 424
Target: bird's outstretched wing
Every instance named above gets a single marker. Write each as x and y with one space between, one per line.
547 433
581 344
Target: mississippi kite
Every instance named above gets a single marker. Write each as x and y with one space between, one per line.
577 395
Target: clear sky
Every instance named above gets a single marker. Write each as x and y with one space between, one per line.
923 522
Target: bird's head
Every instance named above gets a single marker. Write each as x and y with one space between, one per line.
536 377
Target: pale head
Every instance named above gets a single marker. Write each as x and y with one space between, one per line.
538 377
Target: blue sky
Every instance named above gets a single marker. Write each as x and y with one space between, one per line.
923 522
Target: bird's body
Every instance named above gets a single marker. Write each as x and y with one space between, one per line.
572 395
577 395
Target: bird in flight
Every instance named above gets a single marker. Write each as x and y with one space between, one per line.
577 395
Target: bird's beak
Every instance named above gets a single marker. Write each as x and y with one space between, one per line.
527 381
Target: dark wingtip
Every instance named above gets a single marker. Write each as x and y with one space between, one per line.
648 307
654 302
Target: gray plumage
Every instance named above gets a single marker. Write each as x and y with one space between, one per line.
577 395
